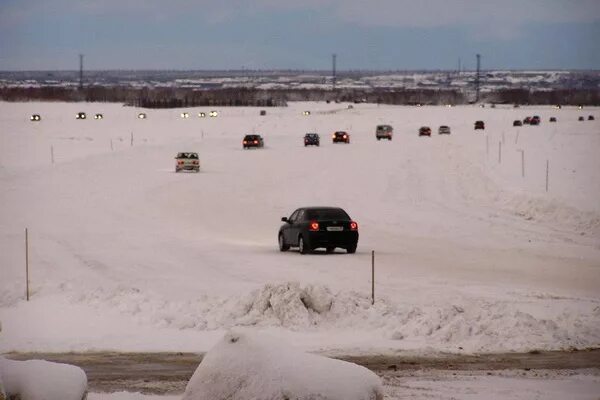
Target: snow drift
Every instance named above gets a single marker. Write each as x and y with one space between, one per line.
249 366
42 380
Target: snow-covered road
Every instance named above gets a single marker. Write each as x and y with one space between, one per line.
127 255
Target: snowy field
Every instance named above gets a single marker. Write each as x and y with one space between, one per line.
470 255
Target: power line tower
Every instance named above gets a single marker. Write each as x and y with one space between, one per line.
334 77
478 78
81 71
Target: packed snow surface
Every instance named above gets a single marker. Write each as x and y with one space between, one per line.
42 380
470 255
244 365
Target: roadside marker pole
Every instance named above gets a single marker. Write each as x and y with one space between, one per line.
52 154
499 152
547 173
523 163
111 145
27 263
131 138
487 145
372 277
517 137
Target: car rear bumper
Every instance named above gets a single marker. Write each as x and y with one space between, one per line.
332 239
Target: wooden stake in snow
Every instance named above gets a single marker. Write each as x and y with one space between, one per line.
517 138
499 152
27 264
523 163
547 173
487 145
372 276
52 154
111 145
132 139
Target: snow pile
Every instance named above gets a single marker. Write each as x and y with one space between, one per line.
248 366
42 380
474 325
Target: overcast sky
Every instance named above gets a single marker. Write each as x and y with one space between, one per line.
286 34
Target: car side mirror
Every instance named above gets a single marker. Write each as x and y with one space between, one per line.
284 219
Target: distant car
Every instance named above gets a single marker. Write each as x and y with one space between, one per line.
142 115
187 162
581 118
384 132
424 131
305 113
340 136
263 112
213 114
311 228
253 141
202 114
98 116
527 120
185 115
311 139
479 125
517 122
590 118
80 115
444 130
558 106
350 106
516 106
535 120
552 119
35 118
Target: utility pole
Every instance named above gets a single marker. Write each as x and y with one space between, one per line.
477 78
334 77
459 66
80 71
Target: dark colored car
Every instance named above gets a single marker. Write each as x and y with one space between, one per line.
80 115
535 120
310 228
35 118
581 119
340 136
552 119
252 141
590 118
187 161
424 131
444 130
479 125
527 120
311 139
384 132
263 112
517 122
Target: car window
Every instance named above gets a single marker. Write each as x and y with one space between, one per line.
294 215
300 216
327 213
194 156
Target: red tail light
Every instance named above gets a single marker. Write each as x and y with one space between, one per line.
256 142
353 226
245 142
179 162
195 162
345 136
314 226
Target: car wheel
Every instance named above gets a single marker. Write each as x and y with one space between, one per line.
378 138
282 245
351 249
302 247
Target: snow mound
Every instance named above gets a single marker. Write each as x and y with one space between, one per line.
250 366
42 380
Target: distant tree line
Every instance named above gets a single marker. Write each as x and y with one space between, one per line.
235 97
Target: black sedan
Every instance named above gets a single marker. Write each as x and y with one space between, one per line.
311 139
253 141
310 228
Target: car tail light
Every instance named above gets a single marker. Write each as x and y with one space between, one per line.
353 226
314 226
256 142
245 142
345 136
179 162
333 136
195 162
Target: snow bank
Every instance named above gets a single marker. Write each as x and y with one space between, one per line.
42 380
249 366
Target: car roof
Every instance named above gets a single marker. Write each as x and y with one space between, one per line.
321 208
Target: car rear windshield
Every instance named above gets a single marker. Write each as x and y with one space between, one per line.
251 137
327 214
